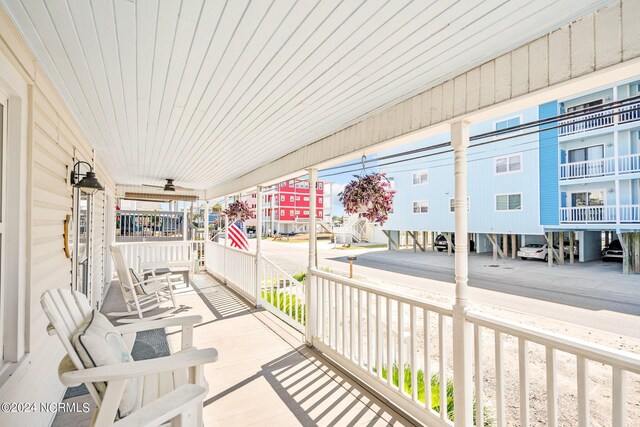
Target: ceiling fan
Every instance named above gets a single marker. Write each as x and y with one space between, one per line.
169 186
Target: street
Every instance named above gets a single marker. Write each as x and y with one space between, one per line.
592 296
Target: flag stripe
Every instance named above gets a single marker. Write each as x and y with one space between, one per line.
237 237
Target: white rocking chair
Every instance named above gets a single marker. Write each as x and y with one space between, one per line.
171 389
141 295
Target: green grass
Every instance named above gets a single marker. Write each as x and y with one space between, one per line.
283 302
435 391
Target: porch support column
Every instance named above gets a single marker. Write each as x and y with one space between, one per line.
310 323
259 218
226 239
184 221
206 221
462 330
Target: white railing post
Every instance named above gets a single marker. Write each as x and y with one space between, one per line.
258 246
226 241
462 330
206 221
309 329
184 221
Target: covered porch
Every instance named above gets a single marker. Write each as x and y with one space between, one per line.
145 93
265 373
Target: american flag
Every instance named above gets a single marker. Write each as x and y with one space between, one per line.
237 237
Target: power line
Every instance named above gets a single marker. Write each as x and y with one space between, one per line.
630 101
586 111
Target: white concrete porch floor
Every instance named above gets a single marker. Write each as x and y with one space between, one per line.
265 374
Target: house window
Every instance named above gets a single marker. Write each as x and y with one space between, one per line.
306 198
420 177
421 206
282 213
282 198
291 212
320 200
306 212
291 198
452 207
508 123
507 164
509 202
297 197
319 186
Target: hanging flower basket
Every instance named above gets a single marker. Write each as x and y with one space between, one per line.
369 196
239 211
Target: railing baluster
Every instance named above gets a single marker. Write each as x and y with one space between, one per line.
344 319
379 361
426 320
335 315
500 403
389 343
369 334
442 355
583 391
352 323
412 358
619 398
359 331
400 347
523 357
477 345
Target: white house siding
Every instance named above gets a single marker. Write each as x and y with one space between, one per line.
52 137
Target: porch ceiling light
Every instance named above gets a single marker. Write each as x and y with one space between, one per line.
88 182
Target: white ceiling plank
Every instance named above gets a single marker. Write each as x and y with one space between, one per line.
205 91
244 52
145 38
168 14
190 13
124 14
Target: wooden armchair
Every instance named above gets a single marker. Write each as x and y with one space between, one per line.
167 389
141 294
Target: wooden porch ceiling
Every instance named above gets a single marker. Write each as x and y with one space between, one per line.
206 91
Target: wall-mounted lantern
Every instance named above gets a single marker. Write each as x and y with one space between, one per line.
85 181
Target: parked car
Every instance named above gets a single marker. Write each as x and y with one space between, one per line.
536 251
441 243
613 252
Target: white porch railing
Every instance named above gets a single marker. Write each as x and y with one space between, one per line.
621 364
367 330
584 123
374 333
401 346
630 213
237 268
279 292
588 168
282 294
588 214
140 253
140 226
629 163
